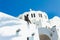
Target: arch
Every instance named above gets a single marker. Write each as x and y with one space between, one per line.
44 37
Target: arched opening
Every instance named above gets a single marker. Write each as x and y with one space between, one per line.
44 37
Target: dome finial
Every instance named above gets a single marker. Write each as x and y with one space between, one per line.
30 9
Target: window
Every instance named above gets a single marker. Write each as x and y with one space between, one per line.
18 30
45 16
32 15
33 34
51 34
27 38
54 26
40 15
27 15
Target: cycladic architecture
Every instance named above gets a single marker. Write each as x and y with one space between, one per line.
31 25
48 29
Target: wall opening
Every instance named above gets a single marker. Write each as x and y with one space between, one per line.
44 37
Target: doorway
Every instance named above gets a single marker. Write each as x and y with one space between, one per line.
44 37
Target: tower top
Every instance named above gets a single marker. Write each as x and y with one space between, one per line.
30 9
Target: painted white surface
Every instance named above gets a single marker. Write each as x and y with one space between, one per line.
9 25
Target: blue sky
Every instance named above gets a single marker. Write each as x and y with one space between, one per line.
16 7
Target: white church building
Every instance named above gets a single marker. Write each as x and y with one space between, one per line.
31 25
